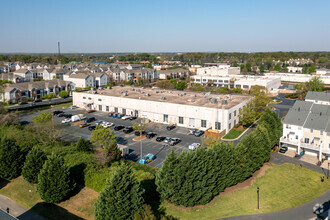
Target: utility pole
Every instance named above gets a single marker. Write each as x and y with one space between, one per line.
58 46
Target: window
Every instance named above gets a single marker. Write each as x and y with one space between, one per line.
229 116
203 123
107 108
215 80
321 133
296 137
306 140
287 126
100 107
234 122
245 86
217 126
100 100
229 126
89 98
311 130
124 111
51 90
191 122
165 118
198 80
238 86
84 97
226 81
180 120
235 113
220 81
204 80
116 110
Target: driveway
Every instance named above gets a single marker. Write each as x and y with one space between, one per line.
304 211
17 210
285 105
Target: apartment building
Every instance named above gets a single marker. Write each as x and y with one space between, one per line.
185 109
306 127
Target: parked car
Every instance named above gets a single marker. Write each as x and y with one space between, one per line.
66 120
128 129
61 115
151 135
99 122
110 114
199 133
33 104
114 115
174 141
23 103
147 159
170 127
91 119
73 107
125 117
160 138
91 111
283 149
91 127
120 115
167 140
23 122
132 118
118 127
67 115
57 112
137 133
107 124
193 146
38 100
192 131
84 125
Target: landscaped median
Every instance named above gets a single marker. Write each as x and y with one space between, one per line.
281 187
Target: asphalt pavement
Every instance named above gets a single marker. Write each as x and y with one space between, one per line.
159 149
284 106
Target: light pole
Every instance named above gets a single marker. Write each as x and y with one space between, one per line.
258 196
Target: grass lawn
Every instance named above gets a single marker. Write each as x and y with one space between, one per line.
234 133
282 187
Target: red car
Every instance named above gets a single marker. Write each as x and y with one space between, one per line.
91 111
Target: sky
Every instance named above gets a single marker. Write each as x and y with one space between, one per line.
81 26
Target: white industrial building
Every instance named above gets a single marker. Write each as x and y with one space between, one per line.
218 70
238 81
185 109
298 78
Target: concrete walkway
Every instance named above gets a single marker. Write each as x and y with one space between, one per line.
304 211
17 210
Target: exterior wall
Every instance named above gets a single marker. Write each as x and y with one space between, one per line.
293 132
218 71
297 78
155 111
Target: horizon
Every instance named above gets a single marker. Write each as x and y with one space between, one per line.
236 26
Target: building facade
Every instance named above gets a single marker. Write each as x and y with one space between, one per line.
185 109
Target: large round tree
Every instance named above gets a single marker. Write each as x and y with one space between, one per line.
11 159
54 182
33 164
121 198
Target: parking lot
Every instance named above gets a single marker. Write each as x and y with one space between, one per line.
159 149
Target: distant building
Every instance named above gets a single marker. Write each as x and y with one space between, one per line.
218 70
294 69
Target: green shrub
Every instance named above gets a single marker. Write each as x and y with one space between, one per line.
64 94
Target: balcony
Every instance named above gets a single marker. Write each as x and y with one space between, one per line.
288 141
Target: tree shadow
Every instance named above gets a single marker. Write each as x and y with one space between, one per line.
77 173
3 183
48 211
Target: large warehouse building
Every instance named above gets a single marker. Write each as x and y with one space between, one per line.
185 109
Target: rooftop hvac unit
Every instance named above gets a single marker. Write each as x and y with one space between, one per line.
194 95
180 94
191 100
163 98
224 102
147 94
214 101
125 94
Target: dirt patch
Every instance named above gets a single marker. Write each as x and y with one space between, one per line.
228 190
138 138
82 204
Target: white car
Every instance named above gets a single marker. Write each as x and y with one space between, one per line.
126 117
107 124
167 140
73 107
66 120
193 146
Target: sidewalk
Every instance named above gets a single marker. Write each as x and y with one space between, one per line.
17 210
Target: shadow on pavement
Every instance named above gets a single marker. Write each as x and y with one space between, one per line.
48 211
3 183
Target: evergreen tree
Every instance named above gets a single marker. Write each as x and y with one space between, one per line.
122 197
11 159
54 182
33 164
82 145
